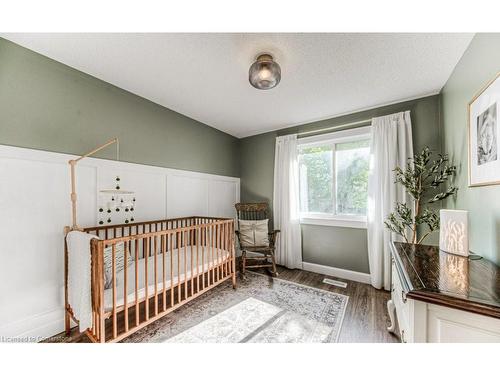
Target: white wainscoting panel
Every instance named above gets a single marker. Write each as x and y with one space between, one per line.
149 189
35 207
187 196
222 193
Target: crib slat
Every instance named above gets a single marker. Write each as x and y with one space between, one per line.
233 255
192 256
170 236
184 235
203 248
214 249
143 247
216 268
156 272
98 291
102 321
163 247
137 281
226 232
219 251
209 255
223 246
226 254
178 267
217 247
113 257
197 260
212 238
207 242
146 303
125 283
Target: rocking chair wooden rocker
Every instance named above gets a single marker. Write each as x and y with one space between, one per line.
256 211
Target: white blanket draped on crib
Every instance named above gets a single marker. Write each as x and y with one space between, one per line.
79 277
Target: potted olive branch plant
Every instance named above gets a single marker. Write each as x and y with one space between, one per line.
421 177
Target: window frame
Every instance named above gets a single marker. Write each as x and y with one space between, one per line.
331 139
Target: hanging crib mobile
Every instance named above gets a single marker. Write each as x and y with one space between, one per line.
116 205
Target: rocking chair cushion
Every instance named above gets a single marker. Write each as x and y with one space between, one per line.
254 233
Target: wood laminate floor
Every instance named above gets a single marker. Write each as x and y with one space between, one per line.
365 321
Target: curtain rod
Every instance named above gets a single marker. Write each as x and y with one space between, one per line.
337 127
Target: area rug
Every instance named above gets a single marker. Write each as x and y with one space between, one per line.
261 310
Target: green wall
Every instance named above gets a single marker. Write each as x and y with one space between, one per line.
49 106
332 246
479 64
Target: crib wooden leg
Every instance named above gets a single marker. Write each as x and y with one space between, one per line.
67 323
233 279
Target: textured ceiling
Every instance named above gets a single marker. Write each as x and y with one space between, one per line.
205 76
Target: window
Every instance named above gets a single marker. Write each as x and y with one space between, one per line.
334 178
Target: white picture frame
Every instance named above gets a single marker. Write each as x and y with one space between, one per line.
484 135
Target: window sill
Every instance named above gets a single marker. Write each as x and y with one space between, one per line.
335 222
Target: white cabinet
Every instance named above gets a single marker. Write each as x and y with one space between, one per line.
419 321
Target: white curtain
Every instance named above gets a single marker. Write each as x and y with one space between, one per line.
286 202
391 146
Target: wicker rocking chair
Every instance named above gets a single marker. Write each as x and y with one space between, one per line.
256 211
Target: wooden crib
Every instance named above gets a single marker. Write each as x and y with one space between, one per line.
173 262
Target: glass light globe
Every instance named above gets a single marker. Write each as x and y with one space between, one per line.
265 73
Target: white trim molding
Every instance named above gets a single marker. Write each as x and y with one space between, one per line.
34 328
348 135
360 277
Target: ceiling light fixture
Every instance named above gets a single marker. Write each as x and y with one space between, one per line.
265 73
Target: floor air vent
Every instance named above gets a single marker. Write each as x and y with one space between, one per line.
340 284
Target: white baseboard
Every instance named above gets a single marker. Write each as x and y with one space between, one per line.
34 328
337 272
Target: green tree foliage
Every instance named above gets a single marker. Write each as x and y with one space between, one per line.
319 178
423 180
352 186
351 175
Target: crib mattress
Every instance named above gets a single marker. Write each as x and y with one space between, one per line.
205 258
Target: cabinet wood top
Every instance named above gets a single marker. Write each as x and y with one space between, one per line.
434 276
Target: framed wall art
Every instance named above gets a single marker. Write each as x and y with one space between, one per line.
484 135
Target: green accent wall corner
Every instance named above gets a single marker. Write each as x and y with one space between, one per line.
49 106
479 64
332 246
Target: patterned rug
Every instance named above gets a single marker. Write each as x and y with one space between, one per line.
261 309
